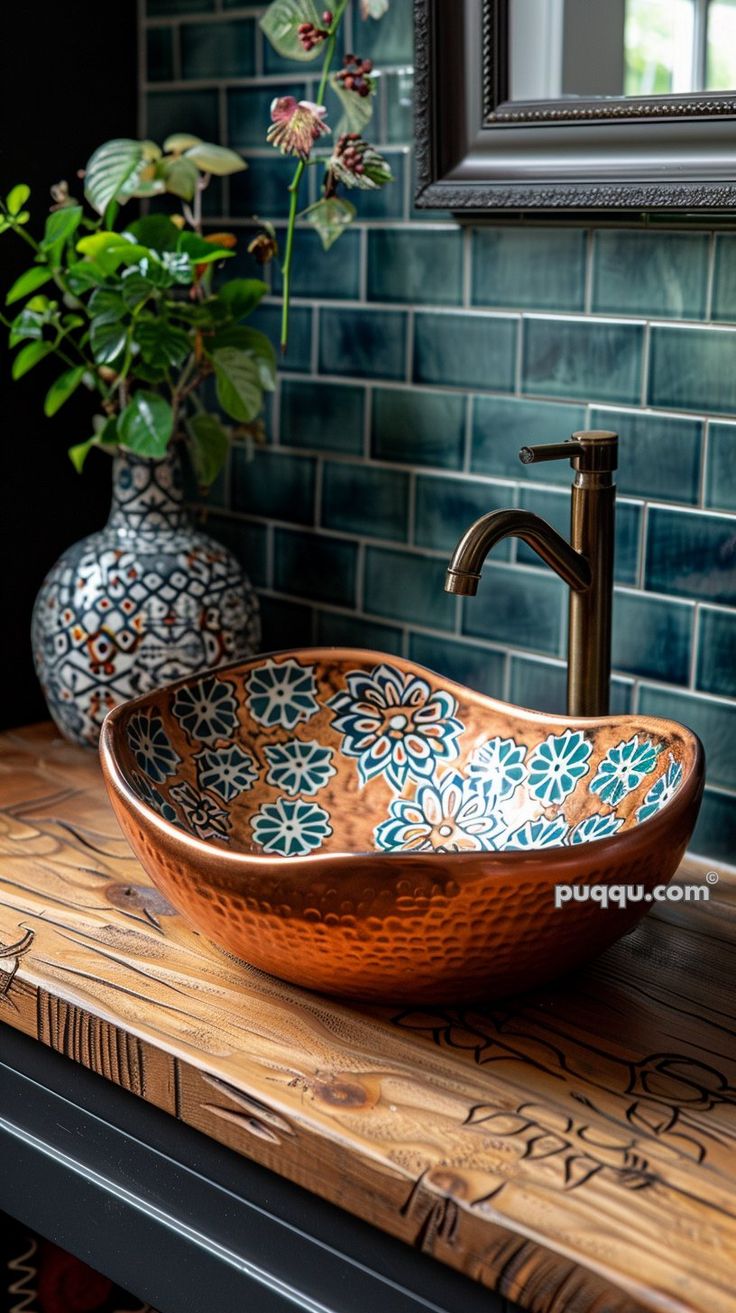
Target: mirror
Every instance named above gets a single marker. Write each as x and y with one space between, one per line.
565 48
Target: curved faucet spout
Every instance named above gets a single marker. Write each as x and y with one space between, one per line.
467 560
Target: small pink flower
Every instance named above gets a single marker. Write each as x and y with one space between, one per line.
296 125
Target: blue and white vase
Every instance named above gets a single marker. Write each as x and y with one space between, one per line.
143 601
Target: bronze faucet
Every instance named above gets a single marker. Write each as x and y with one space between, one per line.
585 563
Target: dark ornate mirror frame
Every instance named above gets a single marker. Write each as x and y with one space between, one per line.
478 151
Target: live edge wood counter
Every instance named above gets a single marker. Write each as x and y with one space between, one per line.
575 1150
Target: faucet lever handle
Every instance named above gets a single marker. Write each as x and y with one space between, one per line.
594 450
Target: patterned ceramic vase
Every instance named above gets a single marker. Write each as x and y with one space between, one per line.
146 600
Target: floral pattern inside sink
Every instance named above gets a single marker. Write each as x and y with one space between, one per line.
295 754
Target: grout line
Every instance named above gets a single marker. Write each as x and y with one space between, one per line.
410 344
506 681
314 345
467 239
411 513
646 351
276 414
704 460
360 577
458 623
468 436
694 651
363 265
642 548
588 274
710 277
318 491
270 556
518 364
367 422
258 51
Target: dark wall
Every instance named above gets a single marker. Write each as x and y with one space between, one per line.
69 82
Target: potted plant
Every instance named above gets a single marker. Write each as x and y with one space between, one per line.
131 312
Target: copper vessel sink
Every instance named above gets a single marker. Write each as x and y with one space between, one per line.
358 825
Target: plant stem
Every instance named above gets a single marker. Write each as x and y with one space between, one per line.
296 181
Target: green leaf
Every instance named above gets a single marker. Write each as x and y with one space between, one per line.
180 176
17 197
255 344
61 389
82 275
161 343
200 251
180 141
208 443
110 249
241 295
61 226
135 288
28 324
107 341
280 25
105 437
29 356
146 424
109 168
156 231
357 111
330 217
28 282
238 384
106 305
215 159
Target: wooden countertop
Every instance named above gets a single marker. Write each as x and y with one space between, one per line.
574 1151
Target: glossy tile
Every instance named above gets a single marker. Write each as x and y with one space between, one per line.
218 50
542 686
724 281
717 652
274 484
365 500
405 587
692 369
418 428
388 40
247 541
248 113
322 416
538 268
399 93
318 568
554 507
714 721
335 629
475 667
659 455
159 54
591 359
445 508
268 319
285 625
691 555
660 274
411 267
263 188
720 474
314 271
715 832
517 608
502 425
167 111
471 351
363 343
652 637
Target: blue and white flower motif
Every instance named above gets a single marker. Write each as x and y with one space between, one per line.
661 791
623 768
450 815
149 743
299 767
226 771
281 693
557 765
291 829
201 813
596 827
499 767
207 709
540 833
155 798
395 724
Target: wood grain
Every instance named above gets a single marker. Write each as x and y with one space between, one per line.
574 1150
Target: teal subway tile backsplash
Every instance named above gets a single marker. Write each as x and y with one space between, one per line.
218 50
413 267
661 274
323 416
468 664
691 555
422 355
363 499
720 478
530 267
593 359
692 369
418 428
364 343
466 351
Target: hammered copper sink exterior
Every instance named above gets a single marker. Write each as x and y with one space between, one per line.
358 825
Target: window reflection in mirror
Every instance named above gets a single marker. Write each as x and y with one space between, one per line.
588 48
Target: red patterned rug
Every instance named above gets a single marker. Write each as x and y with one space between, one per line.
38 1277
